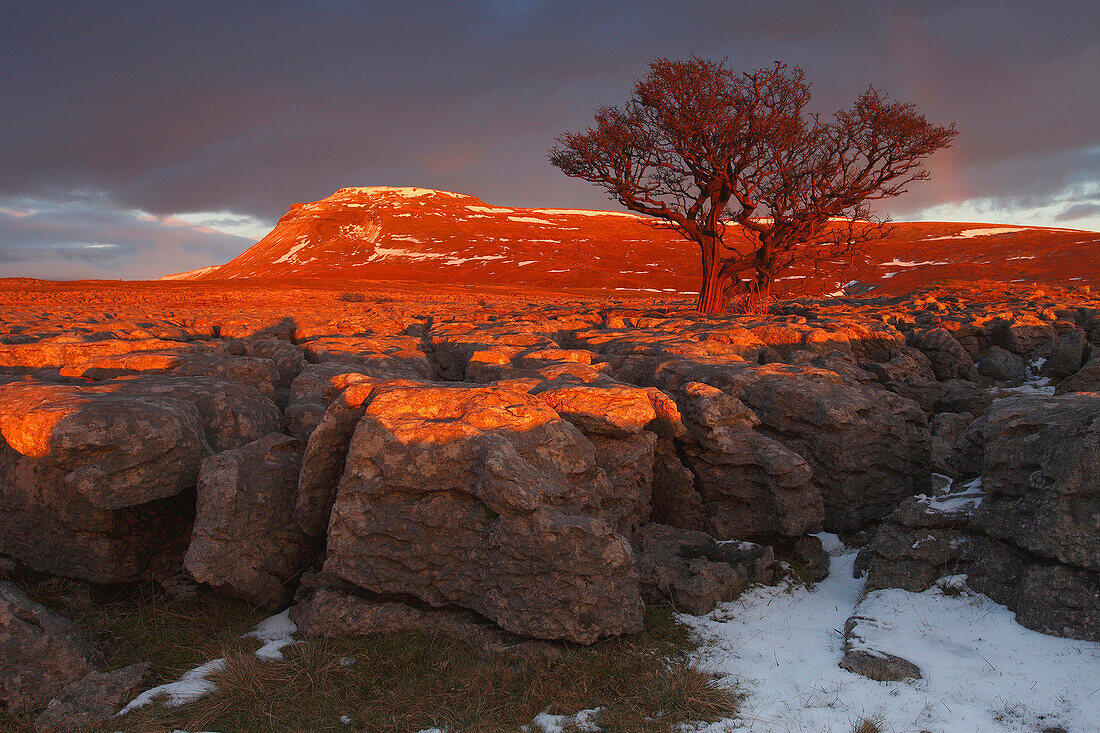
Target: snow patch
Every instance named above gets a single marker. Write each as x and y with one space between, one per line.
902 263
983 672
191 274
984 232
276 632
188 688
490 209
582 720
530 220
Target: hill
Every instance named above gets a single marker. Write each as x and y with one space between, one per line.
428 236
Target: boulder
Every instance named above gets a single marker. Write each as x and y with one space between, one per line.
867 449
619 421
930 537
863 659
94 484
116 450
40 652
1086 379
289 359
910 375
245 541
314 388
949 359
485 499
94 698
1041 460
68 351
1001 365
328 611
1022 334
385 357
1065 355
749 485
693 572
232 414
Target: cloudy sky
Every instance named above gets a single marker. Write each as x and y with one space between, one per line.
141 138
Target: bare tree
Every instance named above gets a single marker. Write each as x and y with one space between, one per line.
734 163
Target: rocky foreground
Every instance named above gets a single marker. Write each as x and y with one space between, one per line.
518 474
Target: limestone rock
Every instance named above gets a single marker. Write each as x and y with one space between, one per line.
332 612
232 414
1065 355
114 449
314 388
245 541
692 571
94 484
1001 365
867 449
1040 468
40 652
1022 334
869 662
93 698
483 498
949 359
1086 379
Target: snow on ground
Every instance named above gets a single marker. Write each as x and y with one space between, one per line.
983 232
490 209
188 688
589 212
191 274
902 263
982 671
583 720
276 632
530 220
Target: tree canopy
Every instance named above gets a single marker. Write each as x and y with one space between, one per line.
735 163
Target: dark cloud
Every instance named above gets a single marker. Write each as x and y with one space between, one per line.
248 107
87 236
1079 211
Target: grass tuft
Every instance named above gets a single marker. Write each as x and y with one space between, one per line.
645 683
869 725
393 684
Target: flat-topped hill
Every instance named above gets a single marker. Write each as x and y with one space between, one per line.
426 236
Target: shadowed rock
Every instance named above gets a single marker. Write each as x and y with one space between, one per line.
93 698
245 541
40 652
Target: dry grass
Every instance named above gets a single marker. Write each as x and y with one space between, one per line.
409 683
645 683
753 303
140 623
869 725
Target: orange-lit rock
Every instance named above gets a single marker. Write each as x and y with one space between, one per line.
482 497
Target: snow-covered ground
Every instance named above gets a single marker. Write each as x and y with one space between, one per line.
982 672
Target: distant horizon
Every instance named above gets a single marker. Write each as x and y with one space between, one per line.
142 138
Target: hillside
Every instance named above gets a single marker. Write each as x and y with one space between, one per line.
422 235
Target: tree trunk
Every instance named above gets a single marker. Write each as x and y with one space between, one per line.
712 295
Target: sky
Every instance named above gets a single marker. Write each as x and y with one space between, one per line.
143 138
